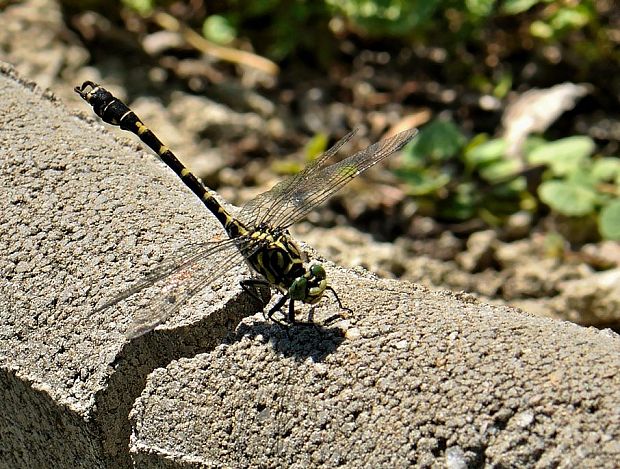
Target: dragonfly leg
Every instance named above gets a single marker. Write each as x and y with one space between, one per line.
338 299
339 314
277 307
291 312
250 285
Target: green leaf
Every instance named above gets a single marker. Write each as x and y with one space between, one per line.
313 149
573 200
286 167
503 85
487 152
381 17
570 18
316 145
437 141
500 170
554 245
514 7
563 156
532 142
219 29
422 182
461 205
541 29
609 221
480 7
606 169
582 177
454 209
144 7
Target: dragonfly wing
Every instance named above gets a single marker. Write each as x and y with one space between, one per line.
187 281
182 258
258 210
299 199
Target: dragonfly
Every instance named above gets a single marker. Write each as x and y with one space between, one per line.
258 235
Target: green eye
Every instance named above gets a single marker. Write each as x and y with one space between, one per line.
318 271
297 290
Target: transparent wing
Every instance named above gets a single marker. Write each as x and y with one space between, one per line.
185 282
289 201
182 277
258 210
187 255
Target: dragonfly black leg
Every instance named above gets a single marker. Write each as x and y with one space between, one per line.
338 300
249 286
277 307
291 312
338 315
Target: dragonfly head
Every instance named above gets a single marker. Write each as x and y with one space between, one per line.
310 287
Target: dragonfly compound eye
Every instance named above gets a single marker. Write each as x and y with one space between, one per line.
318 271
297 290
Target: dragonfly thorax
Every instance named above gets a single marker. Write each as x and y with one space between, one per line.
281 262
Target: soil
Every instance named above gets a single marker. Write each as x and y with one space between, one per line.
237 128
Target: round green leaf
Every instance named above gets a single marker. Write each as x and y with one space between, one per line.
440 140
573 200
219 29
500 170
606 169
486 152
563 156
609 221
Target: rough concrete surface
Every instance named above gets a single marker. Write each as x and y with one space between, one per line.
410 377
418 379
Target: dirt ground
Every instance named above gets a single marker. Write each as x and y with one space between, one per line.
235 131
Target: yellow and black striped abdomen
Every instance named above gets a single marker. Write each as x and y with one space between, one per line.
115 112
